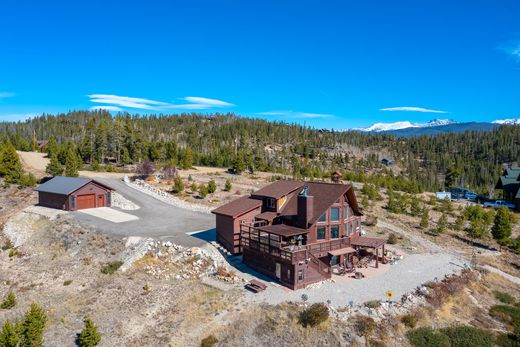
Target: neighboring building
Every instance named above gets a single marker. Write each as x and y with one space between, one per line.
42 145
295 231
443 195
73 193
509 183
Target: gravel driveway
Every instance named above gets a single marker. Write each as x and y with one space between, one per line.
156 219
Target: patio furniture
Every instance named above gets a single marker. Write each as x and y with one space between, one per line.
256 286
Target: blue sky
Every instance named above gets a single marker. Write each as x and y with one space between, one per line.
334 64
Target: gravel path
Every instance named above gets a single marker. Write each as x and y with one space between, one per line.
402 278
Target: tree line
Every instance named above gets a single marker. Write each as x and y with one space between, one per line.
473 159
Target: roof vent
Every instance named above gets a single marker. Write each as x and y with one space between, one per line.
304 191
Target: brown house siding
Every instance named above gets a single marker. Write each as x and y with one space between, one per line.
52 200
90 188
228 229
102 197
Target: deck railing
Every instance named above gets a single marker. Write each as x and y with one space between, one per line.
271 244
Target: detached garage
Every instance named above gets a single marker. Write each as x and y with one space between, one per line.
74 193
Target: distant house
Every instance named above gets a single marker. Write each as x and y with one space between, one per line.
387 162
295 232
443 195
74 193
42 145
509 183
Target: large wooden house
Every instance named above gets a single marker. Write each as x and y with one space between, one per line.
509 183
295 231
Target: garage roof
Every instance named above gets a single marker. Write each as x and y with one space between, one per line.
65 185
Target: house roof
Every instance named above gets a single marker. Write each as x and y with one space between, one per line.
510 181
325 194
283 230
238 207
267 215
278 189
371 242
63 185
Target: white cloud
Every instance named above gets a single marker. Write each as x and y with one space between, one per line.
116 101
126 101
207 101
411 109
293 114
4 95
106 108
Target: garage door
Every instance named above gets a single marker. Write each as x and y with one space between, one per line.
85 201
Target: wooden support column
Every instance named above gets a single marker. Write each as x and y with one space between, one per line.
377 257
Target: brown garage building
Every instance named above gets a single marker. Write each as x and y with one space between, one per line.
74 193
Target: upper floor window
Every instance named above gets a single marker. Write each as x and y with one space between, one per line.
321 233
334 214
345 212
323 218
334 232
271 203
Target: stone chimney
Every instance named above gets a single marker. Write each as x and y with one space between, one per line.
305 208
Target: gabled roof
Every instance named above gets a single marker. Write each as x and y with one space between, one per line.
278 189
325 194
510 181
66 185
238 207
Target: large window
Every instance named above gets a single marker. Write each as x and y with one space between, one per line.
346 231
334 232
323 218
345 212
321 233
334 214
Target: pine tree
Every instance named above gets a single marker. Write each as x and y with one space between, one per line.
238 163
52 147
34 143
89 336
33 326
425 218
178 185
203 191
193 187
10 334
442 224
10 166
502 226
71 163
212 187
54 167
477 229
364 201
228 185
415 206
9 302
187 161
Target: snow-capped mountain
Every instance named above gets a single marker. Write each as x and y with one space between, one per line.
509 121
378 127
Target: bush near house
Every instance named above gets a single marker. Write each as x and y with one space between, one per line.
314 315
209 341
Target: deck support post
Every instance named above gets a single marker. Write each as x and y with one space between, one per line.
377 257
